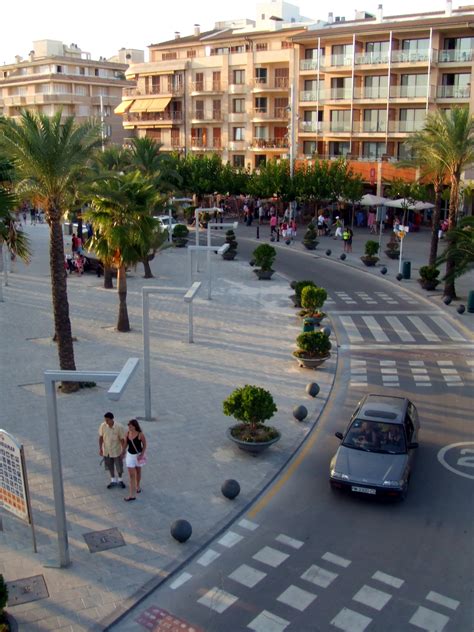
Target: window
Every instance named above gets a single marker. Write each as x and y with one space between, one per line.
282 77
238 106
341 55
238 133
375 87
311 53
238 161
261 75
341 88
338 149
174 137
411 119
261 46
376 47
372 150
81 90
413 85
455 85
216 137
261 132
199 81
281 107
82 70
216 80
238 77
169 56
199 109
191 53
413 45
96 72
260 161
216 109
260 105
309 147
375 120
459 43
59 68
340 120
286 44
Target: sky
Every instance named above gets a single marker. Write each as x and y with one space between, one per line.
102 27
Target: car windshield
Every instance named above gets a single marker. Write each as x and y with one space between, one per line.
375 436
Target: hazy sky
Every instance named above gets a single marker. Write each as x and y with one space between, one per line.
101 27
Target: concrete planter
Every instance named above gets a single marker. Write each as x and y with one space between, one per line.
247 446
311 363
393 254
310 245
264 275
229 255
428 284
180 242
369 261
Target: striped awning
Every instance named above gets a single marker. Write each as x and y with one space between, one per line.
158 105
123 107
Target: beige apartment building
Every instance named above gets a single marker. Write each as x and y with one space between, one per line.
284 87
59 77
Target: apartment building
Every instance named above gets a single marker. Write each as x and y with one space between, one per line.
282 86
59 77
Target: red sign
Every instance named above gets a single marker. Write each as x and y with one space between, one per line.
159 620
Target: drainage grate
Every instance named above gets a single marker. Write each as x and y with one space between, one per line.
104 540
26 590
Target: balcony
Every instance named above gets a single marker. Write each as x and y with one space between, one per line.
237 145
371 94
266 114
339 128
454 56
237 88
269 143
207 86
340 94
453 92
309 64
175 91
405 127
371 59
167 118
201 115
410 56
279 83
310 95
340 61
411 92
311 126
369 127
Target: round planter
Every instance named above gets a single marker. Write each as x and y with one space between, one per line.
10 621
310 245
369 261
393 254
264 275
295 301
251 448
179 242
311 363
229 255
428 284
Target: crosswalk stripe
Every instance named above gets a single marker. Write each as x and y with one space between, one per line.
399 329
447 328
442 600
375 329
351 329
424 329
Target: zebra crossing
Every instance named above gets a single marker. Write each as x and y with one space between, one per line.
422 374
376 298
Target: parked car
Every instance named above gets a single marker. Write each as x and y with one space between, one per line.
377 450
164 221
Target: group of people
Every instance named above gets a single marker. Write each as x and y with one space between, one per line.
116 445
75 262
341 232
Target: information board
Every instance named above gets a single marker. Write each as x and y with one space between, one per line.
13 483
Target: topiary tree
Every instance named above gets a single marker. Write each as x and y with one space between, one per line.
309 240
298 287
312 344
312 299
252 405
264 256
371 248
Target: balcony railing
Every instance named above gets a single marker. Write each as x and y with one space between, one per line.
339 128
310 95
371 58
311 126
410 92
369 127
410 56
340 93
200 143
269 143
153 90
142 117
341 60
266 113
207 86
371 93
406 126
201 115
453 92
279 83
309 64
454 56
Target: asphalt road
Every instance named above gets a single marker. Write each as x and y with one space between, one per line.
307 559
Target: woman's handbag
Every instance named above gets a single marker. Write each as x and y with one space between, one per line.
141 459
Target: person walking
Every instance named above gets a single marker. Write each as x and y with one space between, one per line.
371 223
273 225
338 225
134 457
111 446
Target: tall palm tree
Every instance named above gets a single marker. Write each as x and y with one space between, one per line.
13 238
124 227
451 136
47 153
460 247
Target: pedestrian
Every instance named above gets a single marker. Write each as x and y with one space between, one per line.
348 241
273 225
338 232
111 446
134 457
371 222
345 237
261 213
73 244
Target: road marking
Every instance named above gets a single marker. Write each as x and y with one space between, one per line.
319 576
424 329
388 363
391 312
335 559
284 539
217 599
417 371
390 378
247 575
248 524
448 371
390 580
447 602
375 329
372 597
429 620
389 371
180 580
399 329
268 622
416 362
452 333
408 346
208 557
351 329
359 370
230 539
296 598
467 461
444 362
270 556
350 621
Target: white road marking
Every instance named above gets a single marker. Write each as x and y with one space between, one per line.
417 371
336 559
444 362
359 370
452 333
375 329
230 539
284 539
247 575
413 347
390 580
351 329
447 602
358 384
424 329
319 576
208 557
358 362
296 598
423 384
454 383
469 362
399 329
180 580
389 371
217 600
268 622
452 378
248 524
388 363
429 620
350 621
270 556
390 378
416 362
372 597
421 378
448 371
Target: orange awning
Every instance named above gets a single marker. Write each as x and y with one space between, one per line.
123 107
140 105
158 105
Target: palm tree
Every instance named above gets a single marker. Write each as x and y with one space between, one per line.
14 239
47 153
124 227
451 135
460 247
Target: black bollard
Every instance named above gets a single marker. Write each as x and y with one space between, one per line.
278 235
258 232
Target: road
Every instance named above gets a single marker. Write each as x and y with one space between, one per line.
304 558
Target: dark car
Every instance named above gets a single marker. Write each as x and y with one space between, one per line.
377 450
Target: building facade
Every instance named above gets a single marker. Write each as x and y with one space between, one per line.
58 77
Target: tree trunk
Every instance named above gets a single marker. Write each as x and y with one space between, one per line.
108 284
449 286
122 322
147 269
435 226
62 322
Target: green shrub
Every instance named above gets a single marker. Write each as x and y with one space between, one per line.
231 240
312 299
313 344
264 256
429 273
371 248
299 285
180 231
3 594
252 405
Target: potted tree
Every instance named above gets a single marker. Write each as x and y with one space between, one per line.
309 239
298 288
371 249
313 349
180 235
393 247
188 213
7 622
230 239
312 300
252 406
429 277
263 257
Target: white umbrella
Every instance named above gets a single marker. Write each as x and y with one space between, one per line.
422 206
401 203
372 200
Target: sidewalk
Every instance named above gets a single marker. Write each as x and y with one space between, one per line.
244 335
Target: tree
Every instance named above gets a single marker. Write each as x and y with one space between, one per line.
352 190
47 154
410 192
200 175
273 179
14 239
460 248
124 227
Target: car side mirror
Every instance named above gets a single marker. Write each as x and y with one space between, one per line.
412 446
339 435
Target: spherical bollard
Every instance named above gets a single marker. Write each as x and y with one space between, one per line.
230 489
312 389
181 530
287 242
300 412
252 262
383 270
399 276
328 252
461 309
293 284
447 300
272 238
326 331
342 256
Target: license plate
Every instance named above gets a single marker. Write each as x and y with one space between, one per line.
363 490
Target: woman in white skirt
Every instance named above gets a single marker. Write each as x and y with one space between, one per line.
134 457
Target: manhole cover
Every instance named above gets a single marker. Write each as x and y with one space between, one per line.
104 540
26 590
158 620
